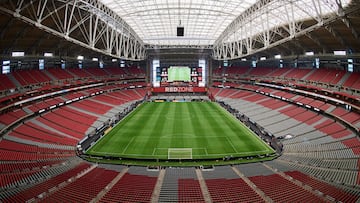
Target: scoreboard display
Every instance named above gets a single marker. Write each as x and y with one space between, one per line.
179 76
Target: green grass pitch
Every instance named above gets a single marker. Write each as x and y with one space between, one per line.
205 127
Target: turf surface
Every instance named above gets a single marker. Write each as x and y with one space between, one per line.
205 127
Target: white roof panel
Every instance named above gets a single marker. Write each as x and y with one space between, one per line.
155 21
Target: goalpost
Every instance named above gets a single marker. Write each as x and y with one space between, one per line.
179 153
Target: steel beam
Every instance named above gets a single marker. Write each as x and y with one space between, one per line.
93 20
349 24
244 30
317 41
336 35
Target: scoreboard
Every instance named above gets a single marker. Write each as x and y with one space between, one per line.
179 76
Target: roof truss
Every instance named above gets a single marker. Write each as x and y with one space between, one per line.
268 18
101 29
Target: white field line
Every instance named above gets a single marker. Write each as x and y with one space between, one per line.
232 145
128 145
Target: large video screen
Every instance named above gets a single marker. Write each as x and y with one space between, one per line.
179 73
173 75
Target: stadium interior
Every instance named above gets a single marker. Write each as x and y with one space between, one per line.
72 70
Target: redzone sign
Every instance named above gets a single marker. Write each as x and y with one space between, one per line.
179 89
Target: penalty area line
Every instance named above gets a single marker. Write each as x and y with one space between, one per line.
232 145
128 145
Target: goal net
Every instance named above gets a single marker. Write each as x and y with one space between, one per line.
180 153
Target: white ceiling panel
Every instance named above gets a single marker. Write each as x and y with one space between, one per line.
155 21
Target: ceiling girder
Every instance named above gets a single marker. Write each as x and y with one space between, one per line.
89 17
5 27
292 30
317 41
286 47
349 24
337 35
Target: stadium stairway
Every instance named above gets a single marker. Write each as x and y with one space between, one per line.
343 79
14 81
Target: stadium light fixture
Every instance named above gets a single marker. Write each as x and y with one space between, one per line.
122 64
278 56
17 53
340 53
48 54
113 60
263 58
309 53
95 59
80 58
243 59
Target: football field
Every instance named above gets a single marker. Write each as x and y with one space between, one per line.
184 130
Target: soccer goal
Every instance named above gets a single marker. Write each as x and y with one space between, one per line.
180 153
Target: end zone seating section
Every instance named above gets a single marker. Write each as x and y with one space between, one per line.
189 191
131 188
329 190
83 189
88 181
284 190
45 186
231 190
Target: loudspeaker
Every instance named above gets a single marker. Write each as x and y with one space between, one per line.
180 31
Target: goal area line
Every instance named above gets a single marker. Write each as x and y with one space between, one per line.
179 153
